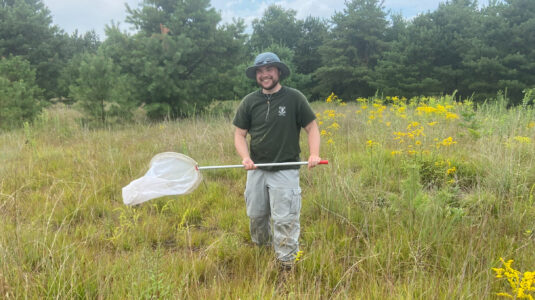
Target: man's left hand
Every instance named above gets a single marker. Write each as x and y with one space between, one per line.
313 160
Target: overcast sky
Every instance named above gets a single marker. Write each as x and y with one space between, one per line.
85 15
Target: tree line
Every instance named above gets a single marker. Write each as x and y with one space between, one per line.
180 58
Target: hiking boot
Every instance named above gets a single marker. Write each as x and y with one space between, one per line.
286 265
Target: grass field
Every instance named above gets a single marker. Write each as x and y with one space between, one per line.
420 200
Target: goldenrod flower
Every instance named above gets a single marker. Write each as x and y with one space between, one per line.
519 283
522 139
451 116
331 97
504 295
371 143
298 256
412 125
425 109
334 126
448 142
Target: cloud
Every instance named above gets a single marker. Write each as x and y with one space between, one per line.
86 15
315 8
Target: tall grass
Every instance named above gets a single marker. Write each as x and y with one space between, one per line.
384 220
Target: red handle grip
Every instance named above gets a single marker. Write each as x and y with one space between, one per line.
324 162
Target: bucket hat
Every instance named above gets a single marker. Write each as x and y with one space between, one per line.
267 59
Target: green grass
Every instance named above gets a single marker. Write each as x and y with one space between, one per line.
375 225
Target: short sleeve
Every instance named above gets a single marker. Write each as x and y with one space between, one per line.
242 119
305 112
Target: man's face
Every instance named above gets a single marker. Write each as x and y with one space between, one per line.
267 77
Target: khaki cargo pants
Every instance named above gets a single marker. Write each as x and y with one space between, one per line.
274 199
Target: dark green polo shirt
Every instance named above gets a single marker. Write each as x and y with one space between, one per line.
274 123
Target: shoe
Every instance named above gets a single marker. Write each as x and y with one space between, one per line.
286 265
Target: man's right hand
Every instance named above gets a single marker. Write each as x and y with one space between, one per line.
248 164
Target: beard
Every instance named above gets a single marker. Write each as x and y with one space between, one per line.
273 84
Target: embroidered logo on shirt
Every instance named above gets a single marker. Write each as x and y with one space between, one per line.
282 111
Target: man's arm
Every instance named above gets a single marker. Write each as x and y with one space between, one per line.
313 133
240 142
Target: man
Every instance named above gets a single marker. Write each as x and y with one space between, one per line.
273 116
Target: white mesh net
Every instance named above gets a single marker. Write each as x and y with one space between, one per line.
170 173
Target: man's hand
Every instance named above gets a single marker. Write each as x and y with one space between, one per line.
313 144
240 142
313 160
248 163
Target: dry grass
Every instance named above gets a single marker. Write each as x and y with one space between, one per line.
375 225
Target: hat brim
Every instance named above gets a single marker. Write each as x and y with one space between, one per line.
285 71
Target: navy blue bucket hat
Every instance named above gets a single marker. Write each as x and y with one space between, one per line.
267 59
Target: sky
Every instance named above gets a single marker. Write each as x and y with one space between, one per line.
86 15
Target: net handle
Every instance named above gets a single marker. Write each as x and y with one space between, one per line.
296 163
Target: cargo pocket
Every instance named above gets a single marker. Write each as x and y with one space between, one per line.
285 202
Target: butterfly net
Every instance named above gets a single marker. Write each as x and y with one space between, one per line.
169 173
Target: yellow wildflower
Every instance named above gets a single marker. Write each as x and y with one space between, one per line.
371 143
504 295
331 98
448 142
522 139
451 116
413 124
334 126
298 255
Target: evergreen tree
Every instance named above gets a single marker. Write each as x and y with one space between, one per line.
277 26
26 30
19 93
356 43
427 57
93 88
313 33
180 58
